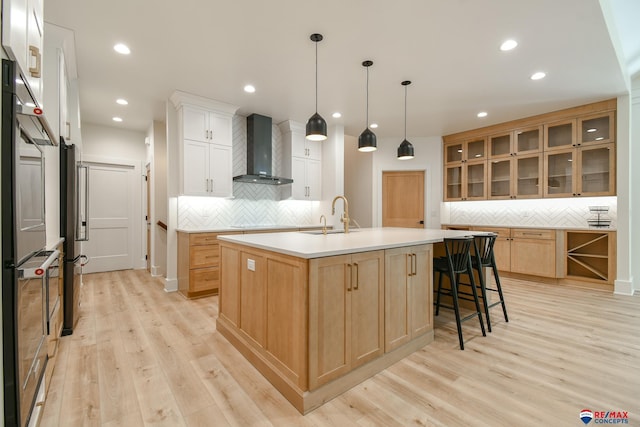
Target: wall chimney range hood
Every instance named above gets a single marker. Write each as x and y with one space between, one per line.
259 153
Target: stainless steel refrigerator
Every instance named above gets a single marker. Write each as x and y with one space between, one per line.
73 227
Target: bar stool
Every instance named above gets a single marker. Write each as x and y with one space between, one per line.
457 262
484 257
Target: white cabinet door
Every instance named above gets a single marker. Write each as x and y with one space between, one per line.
299 189
221 130
314 180
14 33
314 150
220 163
298 145
196 168
35 33
195 123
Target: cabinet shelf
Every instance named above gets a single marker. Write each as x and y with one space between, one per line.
590 255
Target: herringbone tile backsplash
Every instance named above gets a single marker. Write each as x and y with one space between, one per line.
535 212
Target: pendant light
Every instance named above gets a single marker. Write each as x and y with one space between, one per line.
405 150
316 126
367 139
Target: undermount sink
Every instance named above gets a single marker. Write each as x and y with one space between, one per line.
328 231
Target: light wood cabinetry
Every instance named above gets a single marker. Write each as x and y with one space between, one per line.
408 311
567 153
316 327
533 251
302 161
590 256
466 169
198 264
346 301
204 129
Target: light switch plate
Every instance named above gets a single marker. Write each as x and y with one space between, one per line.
251 264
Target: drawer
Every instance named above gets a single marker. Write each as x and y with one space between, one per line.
203 238
204 279
204 256
500 231
533 233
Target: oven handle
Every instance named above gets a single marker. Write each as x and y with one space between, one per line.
82 212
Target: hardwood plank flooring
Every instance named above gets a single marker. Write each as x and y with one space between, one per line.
143 357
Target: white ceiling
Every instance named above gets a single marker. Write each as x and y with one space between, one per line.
448 48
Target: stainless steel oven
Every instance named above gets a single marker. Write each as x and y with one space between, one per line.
24 261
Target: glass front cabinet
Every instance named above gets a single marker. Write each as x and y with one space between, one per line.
582 171
568 153
465 170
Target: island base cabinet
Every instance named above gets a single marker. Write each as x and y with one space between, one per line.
408 290
346 314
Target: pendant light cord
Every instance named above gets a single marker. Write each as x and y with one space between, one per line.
316 77
405 112
367 123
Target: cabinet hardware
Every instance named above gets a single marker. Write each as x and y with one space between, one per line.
35 52
415 264
355 264
350 275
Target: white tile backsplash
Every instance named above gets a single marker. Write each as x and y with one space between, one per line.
572 212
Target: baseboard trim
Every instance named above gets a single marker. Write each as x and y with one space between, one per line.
170 285
623 287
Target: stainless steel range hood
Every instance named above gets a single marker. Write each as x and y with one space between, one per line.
259 153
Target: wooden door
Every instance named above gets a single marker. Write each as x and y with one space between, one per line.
403 199
367 307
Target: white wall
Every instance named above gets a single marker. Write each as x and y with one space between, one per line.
333 174
358 186
157 160
428 157
106 144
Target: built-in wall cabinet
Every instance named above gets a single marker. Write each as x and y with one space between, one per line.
204 130
567 153
302 161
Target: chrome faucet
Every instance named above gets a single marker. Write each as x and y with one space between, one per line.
345 215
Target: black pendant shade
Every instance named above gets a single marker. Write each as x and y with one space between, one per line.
316 126
367 140
405 150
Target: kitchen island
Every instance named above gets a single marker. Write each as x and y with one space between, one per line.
317 314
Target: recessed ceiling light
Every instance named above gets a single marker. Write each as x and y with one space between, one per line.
122 48
122 101
374 126
592 130
117 119
508 45
249 89
482 114
539 75
336 115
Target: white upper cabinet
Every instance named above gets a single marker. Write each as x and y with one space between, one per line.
205 144
22 38
302 161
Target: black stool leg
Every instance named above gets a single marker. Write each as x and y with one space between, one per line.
483 293
456 309
438 295
499 287
475 296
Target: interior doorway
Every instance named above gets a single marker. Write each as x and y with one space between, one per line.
403 199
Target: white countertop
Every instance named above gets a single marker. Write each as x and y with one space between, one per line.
306 245
540 227
241 228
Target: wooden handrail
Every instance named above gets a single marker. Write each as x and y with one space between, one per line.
162 225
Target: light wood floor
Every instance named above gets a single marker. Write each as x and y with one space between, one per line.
143 357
